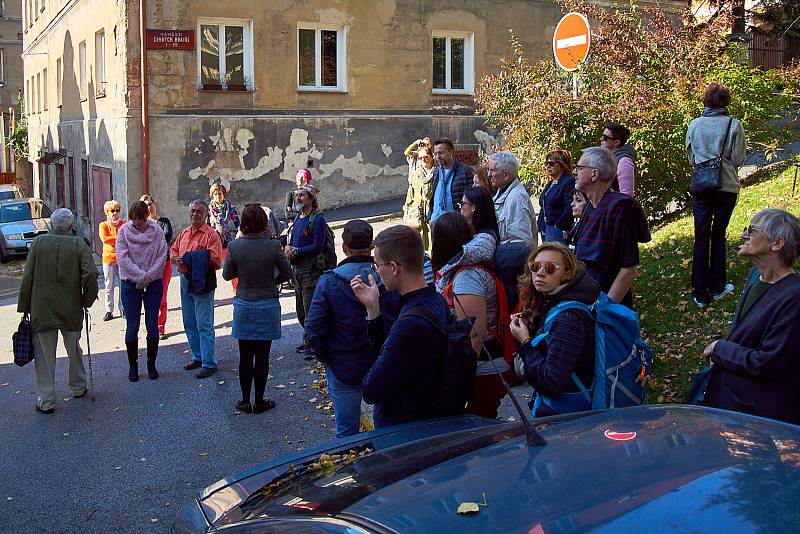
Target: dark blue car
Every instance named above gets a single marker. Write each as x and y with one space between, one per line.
650 468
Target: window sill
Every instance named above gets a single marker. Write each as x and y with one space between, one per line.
320 89
229 89
459 92
99 95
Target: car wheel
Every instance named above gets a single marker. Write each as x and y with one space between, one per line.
3 257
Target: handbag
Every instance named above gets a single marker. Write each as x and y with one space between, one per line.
22 341
706 175
697 390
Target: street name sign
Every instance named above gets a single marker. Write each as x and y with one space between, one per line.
571 41
170 39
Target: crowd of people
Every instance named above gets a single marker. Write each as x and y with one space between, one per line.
471 249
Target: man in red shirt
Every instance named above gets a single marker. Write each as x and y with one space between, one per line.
197 303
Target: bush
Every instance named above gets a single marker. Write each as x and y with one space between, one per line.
648 74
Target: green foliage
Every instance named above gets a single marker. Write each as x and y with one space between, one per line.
644 72
18 140
671 323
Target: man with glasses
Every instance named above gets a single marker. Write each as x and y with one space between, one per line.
608 240
450 179
410 356
615 138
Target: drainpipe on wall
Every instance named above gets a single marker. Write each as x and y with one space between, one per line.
144 87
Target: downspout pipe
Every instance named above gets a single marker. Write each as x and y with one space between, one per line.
144 90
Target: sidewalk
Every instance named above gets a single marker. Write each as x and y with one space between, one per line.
370 212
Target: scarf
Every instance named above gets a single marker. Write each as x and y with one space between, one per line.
116 224
714 112
225 217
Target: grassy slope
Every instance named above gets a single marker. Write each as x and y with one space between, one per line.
671 323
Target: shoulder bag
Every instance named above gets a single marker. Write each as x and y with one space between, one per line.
706 175
23 342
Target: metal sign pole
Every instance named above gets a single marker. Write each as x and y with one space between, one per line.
574 86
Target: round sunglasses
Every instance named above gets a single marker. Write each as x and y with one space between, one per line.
549 267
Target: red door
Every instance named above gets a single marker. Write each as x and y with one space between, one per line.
61 187
101 192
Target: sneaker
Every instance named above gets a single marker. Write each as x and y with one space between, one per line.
162 336
244 407
699 304
305 347
727 291
192 365
108 316
205 372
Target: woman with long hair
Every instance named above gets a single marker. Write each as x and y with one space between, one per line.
141 249
480 178
555 213
471 291
108 236
259 264
166 275
553 275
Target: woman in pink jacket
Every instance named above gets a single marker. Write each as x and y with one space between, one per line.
141 249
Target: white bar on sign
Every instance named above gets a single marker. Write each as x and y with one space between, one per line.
571 41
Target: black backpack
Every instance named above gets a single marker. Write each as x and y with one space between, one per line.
327 259
454 388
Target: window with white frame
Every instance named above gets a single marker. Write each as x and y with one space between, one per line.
100 63
321 58
82 77
59 74
44 89
2 64
225 56
453 63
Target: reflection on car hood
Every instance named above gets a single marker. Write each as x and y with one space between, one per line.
20 227
683 468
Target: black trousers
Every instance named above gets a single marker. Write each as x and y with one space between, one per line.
712 213
253 366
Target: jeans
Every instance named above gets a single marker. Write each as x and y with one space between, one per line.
111 279
198 322
712 213
305 282
346 405
509 260
552 234
132 300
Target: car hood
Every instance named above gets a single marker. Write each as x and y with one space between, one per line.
676 467
21 227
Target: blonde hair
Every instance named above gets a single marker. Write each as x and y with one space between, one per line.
217 187
561 157
111 204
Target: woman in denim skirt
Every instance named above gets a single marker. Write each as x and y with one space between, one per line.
259 264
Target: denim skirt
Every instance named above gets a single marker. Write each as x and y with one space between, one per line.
256 319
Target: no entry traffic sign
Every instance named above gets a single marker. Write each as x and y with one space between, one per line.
571 41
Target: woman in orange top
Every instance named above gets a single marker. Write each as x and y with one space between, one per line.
108 235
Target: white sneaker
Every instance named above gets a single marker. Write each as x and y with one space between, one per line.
727 291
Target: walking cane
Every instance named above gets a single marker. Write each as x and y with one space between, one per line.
89 351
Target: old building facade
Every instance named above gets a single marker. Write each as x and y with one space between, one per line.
247 92
11 84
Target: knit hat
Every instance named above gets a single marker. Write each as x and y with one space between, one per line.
305 173
357 235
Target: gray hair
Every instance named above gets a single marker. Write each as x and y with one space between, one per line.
601 159
776 224
506 161
62 220
200 202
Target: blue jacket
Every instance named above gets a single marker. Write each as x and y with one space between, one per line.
410 357
201 275
555 204
459 183
757 366
336 323
308 245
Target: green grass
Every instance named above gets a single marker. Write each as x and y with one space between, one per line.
676 329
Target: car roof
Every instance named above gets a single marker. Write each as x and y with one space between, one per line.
676 467
27 200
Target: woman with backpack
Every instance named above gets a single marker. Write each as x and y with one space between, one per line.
471 291
553 275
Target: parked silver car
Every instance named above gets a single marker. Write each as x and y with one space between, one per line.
21 220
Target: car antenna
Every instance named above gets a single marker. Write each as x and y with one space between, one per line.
533 437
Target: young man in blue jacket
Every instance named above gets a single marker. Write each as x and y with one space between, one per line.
410 356
336 326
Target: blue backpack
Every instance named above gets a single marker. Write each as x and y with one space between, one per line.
623 360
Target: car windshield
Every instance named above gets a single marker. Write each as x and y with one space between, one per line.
24 211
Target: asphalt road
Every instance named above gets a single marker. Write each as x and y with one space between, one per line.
127 462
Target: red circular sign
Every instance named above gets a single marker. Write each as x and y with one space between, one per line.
571 41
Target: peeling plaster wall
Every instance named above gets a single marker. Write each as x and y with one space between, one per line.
356 159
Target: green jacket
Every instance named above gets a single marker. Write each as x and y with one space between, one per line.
60 280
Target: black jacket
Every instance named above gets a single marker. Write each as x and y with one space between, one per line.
462 180
757 367
548 367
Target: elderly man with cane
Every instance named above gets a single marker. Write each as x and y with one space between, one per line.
59 282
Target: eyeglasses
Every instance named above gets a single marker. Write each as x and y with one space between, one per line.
750 229
463 203
579 167
549 163
549 267
605 137
375 266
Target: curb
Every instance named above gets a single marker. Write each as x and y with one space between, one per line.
377 218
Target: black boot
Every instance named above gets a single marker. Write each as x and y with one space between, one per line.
152 352
133 353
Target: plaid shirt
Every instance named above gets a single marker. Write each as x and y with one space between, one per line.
607 241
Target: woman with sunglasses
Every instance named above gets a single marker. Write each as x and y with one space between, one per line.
418 198
555 213
553 275
471 291
108 236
